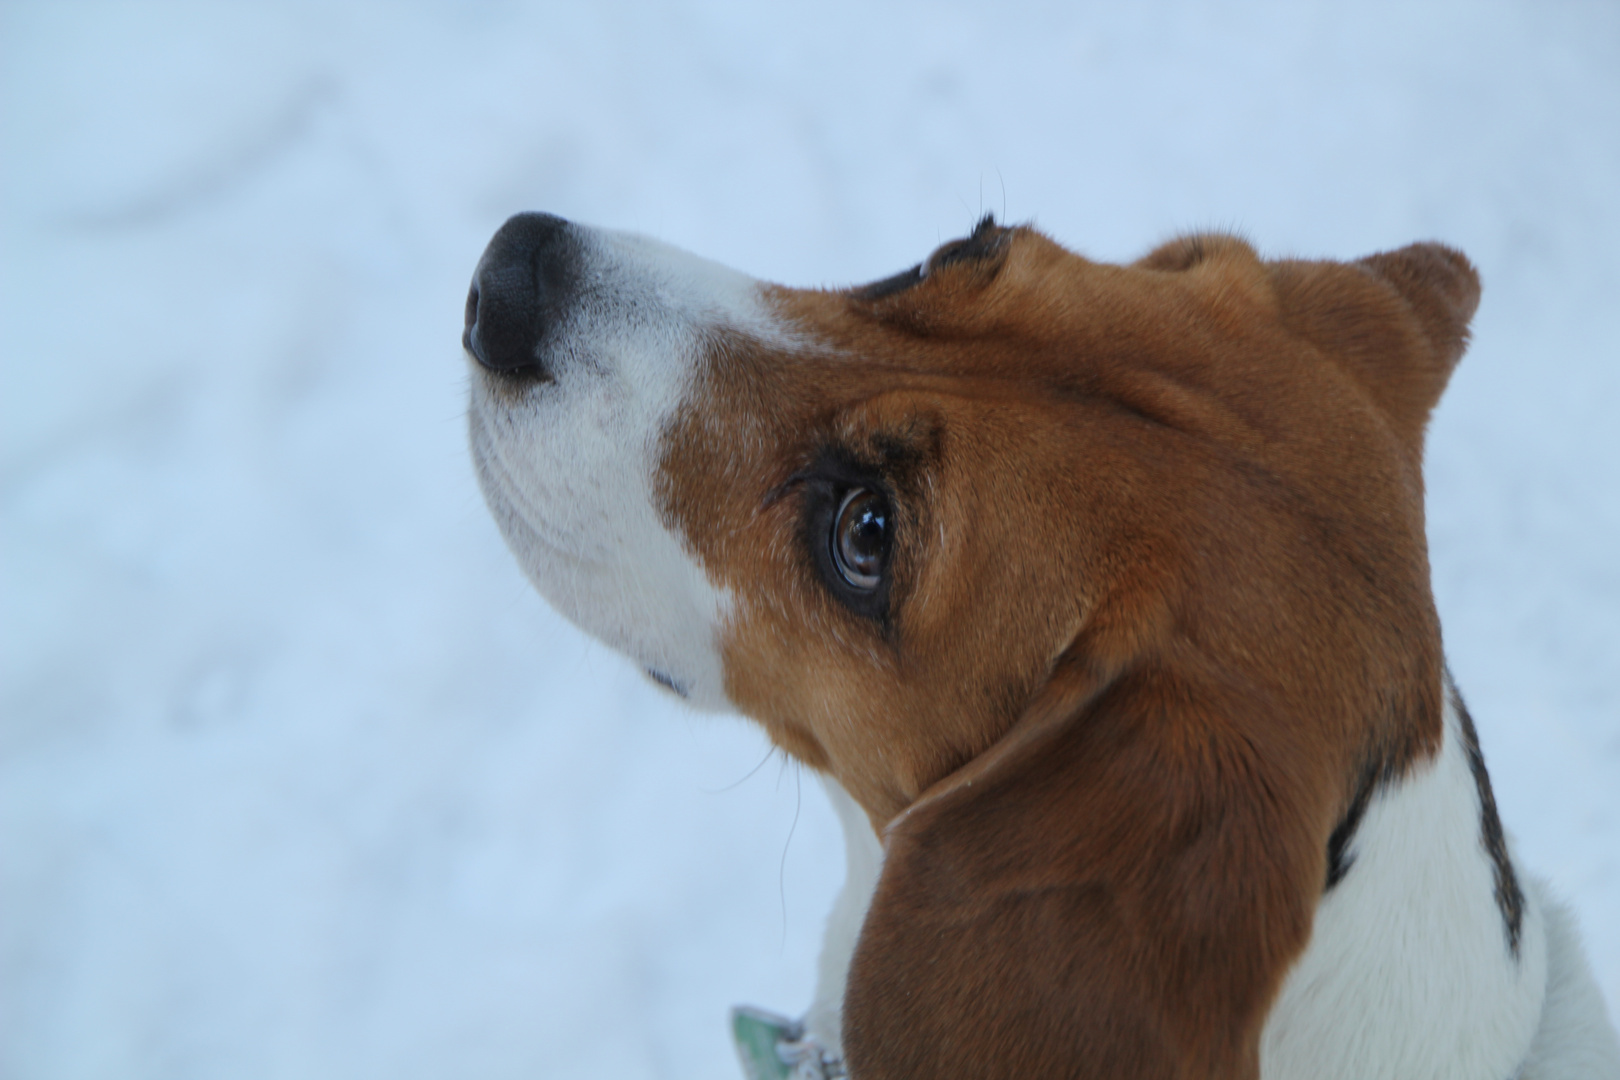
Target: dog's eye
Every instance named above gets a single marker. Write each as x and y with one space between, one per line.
860 539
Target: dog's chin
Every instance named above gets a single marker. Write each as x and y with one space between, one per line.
669 633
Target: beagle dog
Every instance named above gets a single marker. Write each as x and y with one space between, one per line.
1099 596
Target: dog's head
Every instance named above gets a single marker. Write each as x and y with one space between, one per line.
1099 587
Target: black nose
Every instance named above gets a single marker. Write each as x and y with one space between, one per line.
520 292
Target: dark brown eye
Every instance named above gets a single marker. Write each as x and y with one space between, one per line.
860 539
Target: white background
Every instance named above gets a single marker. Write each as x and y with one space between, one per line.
298 778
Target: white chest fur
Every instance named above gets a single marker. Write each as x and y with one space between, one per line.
1409 971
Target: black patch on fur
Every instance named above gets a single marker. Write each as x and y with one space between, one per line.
1509 897
1374 775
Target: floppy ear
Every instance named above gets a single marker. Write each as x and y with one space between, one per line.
1442 288
1396 321
1115 889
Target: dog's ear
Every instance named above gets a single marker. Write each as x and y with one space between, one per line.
1188 252
1115 889
1397 321
1441 286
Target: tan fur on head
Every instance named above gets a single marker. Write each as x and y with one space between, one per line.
1158 598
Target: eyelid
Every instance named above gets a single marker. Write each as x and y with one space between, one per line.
941 256
986 239
780 491
898 283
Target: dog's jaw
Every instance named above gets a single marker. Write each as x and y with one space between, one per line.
567 464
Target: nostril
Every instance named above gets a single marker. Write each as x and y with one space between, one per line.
469 335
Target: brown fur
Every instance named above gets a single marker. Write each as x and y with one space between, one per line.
1160 599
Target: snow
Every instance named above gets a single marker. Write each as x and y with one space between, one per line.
297 776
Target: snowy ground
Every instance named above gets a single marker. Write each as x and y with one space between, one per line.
297 777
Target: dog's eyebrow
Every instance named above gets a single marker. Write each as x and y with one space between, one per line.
840 465
777 493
